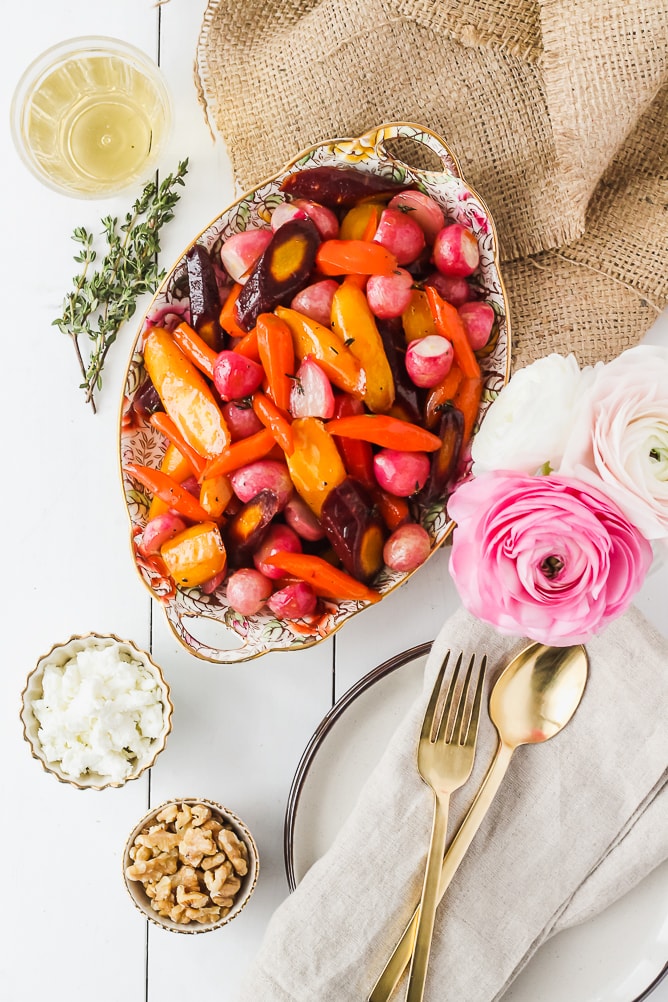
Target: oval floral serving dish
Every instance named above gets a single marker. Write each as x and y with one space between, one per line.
140 443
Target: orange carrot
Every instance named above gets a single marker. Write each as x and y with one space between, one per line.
246 450
195 348
354 257
274 419
328 581
467 400
247 346
440 394
388 432
450 325
228 319
163 423
163 486
274 342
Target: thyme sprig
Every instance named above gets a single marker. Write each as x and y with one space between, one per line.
105 294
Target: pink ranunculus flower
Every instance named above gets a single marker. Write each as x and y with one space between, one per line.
550 558
619 440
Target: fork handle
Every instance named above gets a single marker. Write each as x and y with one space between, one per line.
428 902
396 965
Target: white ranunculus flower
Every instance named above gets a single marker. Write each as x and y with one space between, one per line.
529 423
619 442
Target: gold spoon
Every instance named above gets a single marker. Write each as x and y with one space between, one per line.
533 699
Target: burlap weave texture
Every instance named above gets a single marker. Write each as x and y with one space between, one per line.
556 109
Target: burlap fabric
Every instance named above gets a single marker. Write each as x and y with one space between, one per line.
556 109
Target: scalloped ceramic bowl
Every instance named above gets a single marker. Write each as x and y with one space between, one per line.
59 656
228 819
377 151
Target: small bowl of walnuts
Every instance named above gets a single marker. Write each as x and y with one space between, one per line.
190 865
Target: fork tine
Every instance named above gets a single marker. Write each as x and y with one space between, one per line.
442 722
433 699
458 726
472 730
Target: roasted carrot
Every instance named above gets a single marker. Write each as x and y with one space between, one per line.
277 355
167 489
215 495
393 510
275 420
356 454
440 395
248 346
388 432
246 450
228 319
164 424
354 257
450 325
467 400
328 581
195 348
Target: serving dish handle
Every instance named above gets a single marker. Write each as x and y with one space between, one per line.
396 141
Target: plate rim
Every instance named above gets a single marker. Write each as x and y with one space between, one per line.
315 742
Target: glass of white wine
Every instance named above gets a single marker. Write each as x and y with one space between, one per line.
90 116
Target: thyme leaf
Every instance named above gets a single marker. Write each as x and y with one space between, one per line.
105 292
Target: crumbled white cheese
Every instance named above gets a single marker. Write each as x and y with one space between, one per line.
98 713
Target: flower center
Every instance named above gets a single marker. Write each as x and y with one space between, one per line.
551 566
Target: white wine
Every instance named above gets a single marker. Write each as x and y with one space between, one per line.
94 119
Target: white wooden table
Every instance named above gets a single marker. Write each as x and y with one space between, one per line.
70 931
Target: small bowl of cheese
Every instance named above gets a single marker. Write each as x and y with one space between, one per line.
96 711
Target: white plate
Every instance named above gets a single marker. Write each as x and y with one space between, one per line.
619 956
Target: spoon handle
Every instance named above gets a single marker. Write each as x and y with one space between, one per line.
397 963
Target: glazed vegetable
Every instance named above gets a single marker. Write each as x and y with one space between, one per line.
444 462
354 257
276 352
326 580
429 360
175 495
146 400
283 269
441 395
164 424
315 301
195 348
389 295
275 420
215 494
299 517
478 319
236 376
241 419
386 431
452 288
407 548
185 394
176 466
422 209
325 221
456 251
337 186
228 314
401 235
357 454
354 322
240 252
467 399
401 473
293 602
248 346
244 532
265 474
247 591
393 510
407 403
158 530
354 529
195 555
240 453
204 297
311 394
311 338
449 325
279 538
418 319
361 222
315 465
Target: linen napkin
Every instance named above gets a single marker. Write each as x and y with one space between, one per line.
576 822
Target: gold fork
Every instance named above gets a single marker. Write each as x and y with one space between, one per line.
446 750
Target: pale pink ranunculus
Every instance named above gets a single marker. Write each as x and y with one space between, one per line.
619 441
549 558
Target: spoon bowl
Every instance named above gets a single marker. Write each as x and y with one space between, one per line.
536 695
